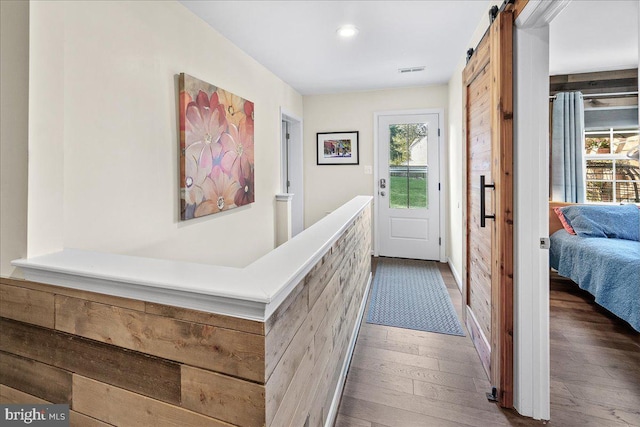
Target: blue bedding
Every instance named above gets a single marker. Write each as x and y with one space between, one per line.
609 269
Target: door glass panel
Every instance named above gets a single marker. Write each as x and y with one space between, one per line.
408 167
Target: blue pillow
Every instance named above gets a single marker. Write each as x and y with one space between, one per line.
612 221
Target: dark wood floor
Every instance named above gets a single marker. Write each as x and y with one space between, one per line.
595 361
400 377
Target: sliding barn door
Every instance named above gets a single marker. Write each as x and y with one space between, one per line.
488 101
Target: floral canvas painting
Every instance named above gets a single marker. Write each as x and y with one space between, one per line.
216 149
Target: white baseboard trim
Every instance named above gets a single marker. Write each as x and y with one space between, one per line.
337 395
456 276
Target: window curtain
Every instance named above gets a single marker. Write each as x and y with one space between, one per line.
567 148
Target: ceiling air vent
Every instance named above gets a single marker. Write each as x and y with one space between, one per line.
410 70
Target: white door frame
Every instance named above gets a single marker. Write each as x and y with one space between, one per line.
295 138
531 184
442 173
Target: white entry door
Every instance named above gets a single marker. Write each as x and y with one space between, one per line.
408 186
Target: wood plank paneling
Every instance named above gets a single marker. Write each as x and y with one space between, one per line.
41 380
501 339
597 86
10 395
76 419
318 387
299 383
302 384
213 319
478 61
286 368
488 251
120 407
286 322
60 290
326 307
224 350
229 399
484 313
596 82
320 276
479 163
27 305
127 369
519 7
587 78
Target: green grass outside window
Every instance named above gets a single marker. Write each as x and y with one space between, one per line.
401 198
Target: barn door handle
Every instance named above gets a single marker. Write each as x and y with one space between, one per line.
483 215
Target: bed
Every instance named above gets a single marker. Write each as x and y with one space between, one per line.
607 266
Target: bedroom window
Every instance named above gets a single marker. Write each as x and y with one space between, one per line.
613 165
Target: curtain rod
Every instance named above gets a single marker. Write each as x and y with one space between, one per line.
603 95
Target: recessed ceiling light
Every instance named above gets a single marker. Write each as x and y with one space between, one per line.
347 31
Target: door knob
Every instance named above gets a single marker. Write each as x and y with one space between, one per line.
382 193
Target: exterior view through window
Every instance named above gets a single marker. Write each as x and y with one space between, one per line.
408 166
613 165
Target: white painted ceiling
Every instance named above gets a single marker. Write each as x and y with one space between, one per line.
593 35
297 41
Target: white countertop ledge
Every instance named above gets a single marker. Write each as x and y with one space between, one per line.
253 292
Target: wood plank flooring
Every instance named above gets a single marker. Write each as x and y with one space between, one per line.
595 361
404 378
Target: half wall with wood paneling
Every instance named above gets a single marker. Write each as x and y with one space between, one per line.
120 361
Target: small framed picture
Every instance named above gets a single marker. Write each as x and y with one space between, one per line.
338 148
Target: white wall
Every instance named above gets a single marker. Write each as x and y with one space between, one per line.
531 220
14 87
328 187
456 233
104 140
45 217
